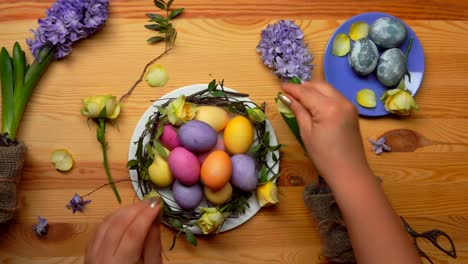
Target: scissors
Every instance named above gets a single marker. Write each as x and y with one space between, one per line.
432 236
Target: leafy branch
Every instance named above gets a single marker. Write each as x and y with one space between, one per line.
167 31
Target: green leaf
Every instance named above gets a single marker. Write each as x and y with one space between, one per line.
175 13
19 66
154 27
160 130
255 149
294 127
144 175
263 175
169 4
266 138
149 151
212 85
132 163
218 93
176 223
274 157
155 40
155 17
160 4
190 238
7 87
160 149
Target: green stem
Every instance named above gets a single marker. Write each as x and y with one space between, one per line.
101 137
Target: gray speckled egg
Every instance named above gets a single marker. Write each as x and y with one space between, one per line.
392 67
364 56
388 32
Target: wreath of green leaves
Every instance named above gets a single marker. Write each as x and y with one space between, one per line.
214 95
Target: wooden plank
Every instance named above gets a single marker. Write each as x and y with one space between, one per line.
318 9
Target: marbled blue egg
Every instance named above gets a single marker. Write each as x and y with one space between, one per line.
392 67
388 32
364 57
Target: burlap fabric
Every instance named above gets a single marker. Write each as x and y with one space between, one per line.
11 165
336 245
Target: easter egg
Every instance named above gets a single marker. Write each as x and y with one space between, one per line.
244 173
364 56
220 196
238 135
388 32
219 146
169 137
392 67
197 136
184 166
216 170
187 197
159 172
214 116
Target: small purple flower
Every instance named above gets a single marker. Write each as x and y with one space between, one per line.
379 145
284 51
68 21
41 226
77 203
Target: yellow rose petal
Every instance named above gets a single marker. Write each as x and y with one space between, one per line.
358 30
366 98
156 76
62 160
341 45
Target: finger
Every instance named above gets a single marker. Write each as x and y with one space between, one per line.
115 228
309 98
131 244
152 248
303 116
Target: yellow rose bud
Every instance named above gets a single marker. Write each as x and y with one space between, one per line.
156 75
100 106
267 194
210 221
399 101
256 114
179 111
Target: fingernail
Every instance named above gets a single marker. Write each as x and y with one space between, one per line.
284 99
152 202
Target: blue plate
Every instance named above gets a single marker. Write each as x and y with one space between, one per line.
339 73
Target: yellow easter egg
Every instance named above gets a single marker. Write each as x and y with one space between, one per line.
238 135
220 196
214 116
160 173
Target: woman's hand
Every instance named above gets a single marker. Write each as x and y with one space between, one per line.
129 235
329 128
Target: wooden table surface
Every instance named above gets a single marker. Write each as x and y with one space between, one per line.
217 39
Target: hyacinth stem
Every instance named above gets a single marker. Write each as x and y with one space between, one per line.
101 137
292 121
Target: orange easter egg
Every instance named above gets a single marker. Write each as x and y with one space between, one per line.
216 170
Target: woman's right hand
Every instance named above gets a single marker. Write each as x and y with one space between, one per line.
329 128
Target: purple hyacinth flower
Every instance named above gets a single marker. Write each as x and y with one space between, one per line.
68 21
77 203
41 226
379 145
284 51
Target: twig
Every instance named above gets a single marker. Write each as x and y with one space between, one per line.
140 79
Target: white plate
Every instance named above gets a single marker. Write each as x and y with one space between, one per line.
230 223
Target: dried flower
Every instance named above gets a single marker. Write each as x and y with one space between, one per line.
379 145
77 203
66 22
41 226
210 221
179 111
267 194
284 51
100 106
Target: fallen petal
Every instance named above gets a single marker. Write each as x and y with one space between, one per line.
62 160
366 98
341 45
358 30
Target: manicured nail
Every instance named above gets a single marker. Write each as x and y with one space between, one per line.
152 201
284 99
